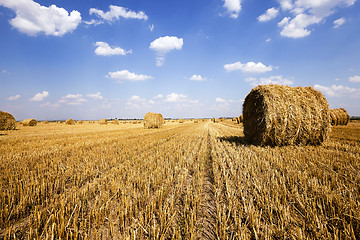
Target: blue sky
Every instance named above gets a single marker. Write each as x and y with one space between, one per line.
123 58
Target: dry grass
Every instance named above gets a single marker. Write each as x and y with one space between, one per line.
183 181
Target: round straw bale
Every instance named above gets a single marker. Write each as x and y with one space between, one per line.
29 122
181 120
103 121
116 122
80 122
240 119
7 121
153 120
280 115
70 122
339 116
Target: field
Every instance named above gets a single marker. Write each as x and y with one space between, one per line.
182 181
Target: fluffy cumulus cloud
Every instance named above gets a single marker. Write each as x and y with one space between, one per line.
338 91
339 22
13 98
271 13
40 96
250 67
115 13
125 75
104 49
305 13
179 98
269 80
233 7
73 99
32 18
220 100
163 45
96 96
355 79
137 102
197 78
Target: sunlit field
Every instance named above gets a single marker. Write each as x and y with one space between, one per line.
182 181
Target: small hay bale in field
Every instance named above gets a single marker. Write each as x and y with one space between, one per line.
153 120
215 120
116 122
240 119
234 120
70 122
80 122
181 120
339 116
196 120
7 121
103 121
280 115
29 122
45 122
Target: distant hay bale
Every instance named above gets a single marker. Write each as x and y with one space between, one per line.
234 119
153 120
29 122
280 115
223 119
80 122
240 119
116 122
181 120
339 116
196 120
45 122
70 122
103 121
215 120
7 121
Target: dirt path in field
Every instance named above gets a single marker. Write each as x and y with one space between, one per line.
208 206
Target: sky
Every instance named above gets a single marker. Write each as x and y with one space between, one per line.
93 59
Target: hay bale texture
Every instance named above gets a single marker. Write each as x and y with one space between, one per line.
103 121
70 122
240 119
280 115
153 120
7 121
29 122
339 116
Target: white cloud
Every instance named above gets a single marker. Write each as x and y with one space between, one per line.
179 98
159 96
355 79
249 67
73 99
104 49
151 27
271 13
339 22
268 40
50 105
296 28
116 12
125 75
338 90
163 45
136 102
269 80
286 4
13 98
96 96
197 78
40 96
233 7
307 13
32 18
220 100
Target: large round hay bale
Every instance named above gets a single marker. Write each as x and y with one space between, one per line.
70 122
116 122
153 120
280 115
240 119
29 122
339 116
103 121
7 121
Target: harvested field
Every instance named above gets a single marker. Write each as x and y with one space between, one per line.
182 181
